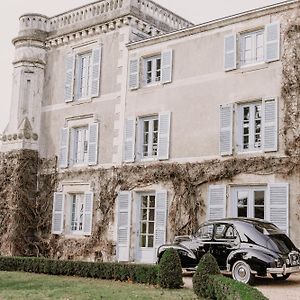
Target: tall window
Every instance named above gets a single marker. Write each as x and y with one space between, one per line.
84 68
250 138
252 47
77 213
80 145
149 137
250 202
147 221
153 69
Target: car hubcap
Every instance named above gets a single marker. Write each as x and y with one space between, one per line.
242 272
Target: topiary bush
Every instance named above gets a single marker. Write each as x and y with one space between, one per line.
169 270
201 279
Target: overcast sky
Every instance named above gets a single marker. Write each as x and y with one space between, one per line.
197 11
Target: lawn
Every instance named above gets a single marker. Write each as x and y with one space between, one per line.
18 286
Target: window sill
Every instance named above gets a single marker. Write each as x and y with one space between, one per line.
81 101
252 152
150 159
253 67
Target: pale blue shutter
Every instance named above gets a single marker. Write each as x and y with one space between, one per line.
166 65
69 77
88 213
230 52
134 74
95 76
164 123
129 140
93 144
278 208
58 213
123 225
64 148
226 118
216 202
272 42
161 209
270 125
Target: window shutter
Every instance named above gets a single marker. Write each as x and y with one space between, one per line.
64 148
164 124
88 213
278 211
93 144
95 76
58 213
166 65
69 77
270 125
73 142
129 136
123 228
230 52
161 208
134 74
226 116
216 202
272 42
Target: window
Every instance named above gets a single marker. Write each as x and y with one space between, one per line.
147 221
250 127
155 69
152 135
205 232
73 212
152 69
149 129
225 232
77 203
80 145
252 47
82 77
249 202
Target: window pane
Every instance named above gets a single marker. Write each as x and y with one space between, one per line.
144 228
242 197
143 241
259 212
242 212
152 201
150 241
144 214
151 227
144 201
259 197
151 214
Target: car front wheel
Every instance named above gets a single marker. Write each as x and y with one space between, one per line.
241 272
280 277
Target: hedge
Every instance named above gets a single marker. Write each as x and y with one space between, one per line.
147 274
224 288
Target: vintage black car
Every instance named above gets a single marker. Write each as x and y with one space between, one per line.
243 247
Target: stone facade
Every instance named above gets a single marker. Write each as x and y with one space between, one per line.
156 124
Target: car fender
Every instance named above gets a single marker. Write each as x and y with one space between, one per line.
256 259
179 248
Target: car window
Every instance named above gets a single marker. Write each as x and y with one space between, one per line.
225 232
205 232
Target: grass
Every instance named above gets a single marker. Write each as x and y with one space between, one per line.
18 286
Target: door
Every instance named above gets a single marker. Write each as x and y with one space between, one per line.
145 252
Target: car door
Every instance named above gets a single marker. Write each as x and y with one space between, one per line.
203 240
225 240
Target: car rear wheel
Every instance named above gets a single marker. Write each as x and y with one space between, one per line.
280 277
241 272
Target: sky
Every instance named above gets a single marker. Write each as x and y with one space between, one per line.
196 11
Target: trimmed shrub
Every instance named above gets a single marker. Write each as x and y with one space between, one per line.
147 274
201 280
170 271
223 288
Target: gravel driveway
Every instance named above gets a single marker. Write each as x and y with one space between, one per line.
274 290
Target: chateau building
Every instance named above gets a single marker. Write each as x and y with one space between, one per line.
192 121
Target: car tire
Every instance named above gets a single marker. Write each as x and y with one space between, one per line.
241 272
280 277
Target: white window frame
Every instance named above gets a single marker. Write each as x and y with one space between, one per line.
83 79
84 146
240 127
254 60
79 200
141 144
251 203
154 60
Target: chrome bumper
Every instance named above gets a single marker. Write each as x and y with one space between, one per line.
283 270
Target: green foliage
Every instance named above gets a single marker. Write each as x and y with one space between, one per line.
223 288
201 280
113 271
170 271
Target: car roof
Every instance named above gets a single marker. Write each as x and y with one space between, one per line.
252 221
